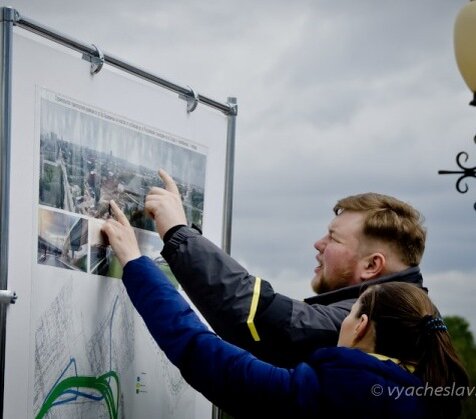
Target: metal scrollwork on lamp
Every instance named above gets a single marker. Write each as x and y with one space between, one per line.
464 172
465 52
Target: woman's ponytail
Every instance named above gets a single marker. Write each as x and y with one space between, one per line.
408 327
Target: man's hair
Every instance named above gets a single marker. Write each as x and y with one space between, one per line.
391 220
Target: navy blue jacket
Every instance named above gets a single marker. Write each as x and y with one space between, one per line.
334 382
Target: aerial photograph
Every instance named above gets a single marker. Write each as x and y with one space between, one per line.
86 160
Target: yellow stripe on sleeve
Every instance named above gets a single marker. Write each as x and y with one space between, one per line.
254 306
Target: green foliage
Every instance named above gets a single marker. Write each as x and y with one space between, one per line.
51 187
82 263
115 269
168 272
463 341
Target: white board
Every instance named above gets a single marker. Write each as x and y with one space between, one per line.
74 345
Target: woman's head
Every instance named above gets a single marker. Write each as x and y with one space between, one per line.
388 319
399 313
400 321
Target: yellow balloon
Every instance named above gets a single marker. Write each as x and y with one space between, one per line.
465 43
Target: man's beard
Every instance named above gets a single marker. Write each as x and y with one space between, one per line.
326 285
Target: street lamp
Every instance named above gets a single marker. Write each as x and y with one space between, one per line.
465 52
465 45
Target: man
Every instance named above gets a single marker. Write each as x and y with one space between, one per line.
373 238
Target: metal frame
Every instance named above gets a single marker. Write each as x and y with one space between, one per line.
7 18
11 17
93 51
229 176
228 207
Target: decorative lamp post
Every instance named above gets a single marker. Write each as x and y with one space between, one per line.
465 52
465 45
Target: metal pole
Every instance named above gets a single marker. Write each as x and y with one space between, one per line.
5 136
228 201
92 51
229 175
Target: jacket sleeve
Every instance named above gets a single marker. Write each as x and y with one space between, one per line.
228 376
244 309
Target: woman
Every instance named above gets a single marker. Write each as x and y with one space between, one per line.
390 347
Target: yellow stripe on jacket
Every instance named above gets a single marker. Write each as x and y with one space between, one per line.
253 307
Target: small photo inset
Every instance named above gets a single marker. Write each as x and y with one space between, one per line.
103 260
62 240
151 245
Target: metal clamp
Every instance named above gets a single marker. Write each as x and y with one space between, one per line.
10 15
7 297
96 61
191 98
233 108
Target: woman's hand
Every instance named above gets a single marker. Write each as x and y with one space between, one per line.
121 236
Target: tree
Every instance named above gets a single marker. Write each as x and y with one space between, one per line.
463 341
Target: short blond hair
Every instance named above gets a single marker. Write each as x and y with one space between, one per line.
388 219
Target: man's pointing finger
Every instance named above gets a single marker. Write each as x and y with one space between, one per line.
168 182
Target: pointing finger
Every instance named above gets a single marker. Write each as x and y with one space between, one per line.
117 212
168 182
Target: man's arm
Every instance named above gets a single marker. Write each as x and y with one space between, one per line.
240 307
244 309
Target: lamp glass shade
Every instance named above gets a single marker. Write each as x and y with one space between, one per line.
465 43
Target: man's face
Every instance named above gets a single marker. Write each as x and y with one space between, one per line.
339 259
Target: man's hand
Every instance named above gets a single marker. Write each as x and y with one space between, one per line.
121 236
165 205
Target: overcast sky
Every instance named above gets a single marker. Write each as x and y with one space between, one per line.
335 98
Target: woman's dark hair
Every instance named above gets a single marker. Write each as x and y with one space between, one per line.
408 327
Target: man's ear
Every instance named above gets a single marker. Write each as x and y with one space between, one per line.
374 266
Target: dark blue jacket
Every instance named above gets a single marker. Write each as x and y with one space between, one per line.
335 382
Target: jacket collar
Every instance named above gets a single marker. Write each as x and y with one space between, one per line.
406 366
411 275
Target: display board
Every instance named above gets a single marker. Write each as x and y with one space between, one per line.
74 345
